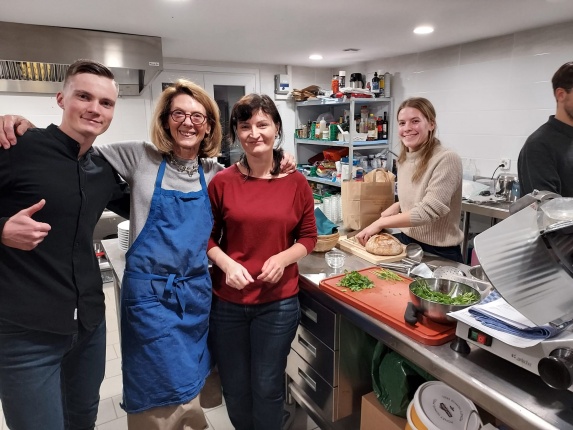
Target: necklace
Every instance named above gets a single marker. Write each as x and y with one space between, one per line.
181 168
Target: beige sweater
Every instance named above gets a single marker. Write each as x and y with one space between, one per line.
435 201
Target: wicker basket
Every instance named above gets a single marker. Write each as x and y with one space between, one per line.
326 242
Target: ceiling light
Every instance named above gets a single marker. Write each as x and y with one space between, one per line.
315 57
424 29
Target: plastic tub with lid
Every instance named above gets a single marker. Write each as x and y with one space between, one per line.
436 406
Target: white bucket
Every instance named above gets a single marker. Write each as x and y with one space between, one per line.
436 406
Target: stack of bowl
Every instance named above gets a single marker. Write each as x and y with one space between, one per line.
123 235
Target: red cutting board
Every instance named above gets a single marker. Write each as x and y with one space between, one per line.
387 302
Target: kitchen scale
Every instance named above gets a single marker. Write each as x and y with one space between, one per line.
528 258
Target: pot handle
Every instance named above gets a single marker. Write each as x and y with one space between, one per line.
411 314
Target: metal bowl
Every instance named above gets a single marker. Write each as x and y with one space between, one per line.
477 272
438 311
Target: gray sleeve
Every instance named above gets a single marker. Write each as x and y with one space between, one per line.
124 157
210 168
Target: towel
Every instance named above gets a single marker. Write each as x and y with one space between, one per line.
323 225
512 327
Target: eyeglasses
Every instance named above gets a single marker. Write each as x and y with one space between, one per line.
195 117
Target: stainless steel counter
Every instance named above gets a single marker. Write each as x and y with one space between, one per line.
514 395
495 211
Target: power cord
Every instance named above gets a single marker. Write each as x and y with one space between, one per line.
493 174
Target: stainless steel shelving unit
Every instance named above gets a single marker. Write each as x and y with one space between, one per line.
311 109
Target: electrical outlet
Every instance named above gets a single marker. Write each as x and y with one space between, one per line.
506 163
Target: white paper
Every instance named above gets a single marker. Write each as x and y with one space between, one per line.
519 342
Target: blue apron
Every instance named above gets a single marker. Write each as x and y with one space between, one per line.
165 301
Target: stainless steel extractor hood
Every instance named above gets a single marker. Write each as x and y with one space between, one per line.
34 58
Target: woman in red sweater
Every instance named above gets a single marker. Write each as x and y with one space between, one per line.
263 224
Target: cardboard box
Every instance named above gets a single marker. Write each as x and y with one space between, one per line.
375 417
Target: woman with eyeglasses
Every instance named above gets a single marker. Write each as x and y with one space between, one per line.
166 289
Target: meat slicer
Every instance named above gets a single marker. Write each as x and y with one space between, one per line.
528 257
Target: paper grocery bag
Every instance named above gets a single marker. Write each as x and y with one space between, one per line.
363 202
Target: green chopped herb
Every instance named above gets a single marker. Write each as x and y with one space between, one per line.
354 281
387 275
422 290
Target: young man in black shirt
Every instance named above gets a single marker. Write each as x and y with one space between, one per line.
545 162
52 313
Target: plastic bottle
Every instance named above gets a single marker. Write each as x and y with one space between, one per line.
334 84
372 129
342 79
322 127
363 119
387 78
376 85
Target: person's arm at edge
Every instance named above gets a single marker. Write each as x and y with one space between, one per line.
12 126
392 221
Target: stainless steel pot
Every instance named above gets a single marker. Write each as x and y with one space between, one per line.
505 184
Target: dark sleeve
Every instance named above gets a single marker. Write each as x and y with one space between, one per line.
2 223
120 200
5 178
537 168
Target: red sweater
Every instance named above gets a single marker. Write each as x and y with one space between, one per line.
256 219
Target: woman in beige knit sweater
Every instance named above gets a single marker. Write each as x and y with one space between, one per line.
429 189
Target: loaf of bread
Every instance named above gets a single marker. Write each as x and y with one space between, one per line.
384 244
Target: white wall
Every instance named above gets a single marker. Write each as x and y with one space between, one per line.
130 119
490 94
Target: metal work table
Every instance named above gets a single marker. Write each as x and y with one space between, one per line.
495 211
514 395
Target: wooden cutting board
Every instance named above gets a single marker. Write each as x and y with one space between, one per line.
353 246
387 302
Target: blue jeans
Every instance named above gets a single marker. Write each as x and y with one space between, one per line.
51 381
251 344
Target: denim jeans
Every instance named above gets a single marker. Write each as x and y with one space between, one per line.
251 344
51 381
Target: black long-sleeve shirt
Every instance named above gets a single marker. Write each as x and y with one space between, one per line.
545 162
58 283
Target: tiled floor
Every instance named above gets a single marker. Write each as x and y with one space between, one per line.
112 417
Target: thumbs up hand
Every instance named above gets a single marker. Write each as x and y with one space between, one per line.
22 232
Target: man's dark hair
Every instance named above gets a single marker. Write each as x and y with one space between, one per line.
88 66
563 77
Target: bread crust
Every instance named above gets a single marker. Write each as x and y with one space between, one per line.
384 244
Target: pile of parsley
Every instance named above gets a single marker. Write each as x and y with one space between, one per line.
354 281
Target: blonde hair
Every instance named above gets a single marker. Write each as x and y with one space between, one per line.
427 148
162 139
